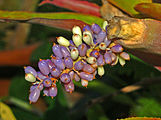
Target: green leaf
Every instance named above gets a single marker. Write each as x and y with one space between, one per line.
96 112
22 16
24 115
57 112
19 88
44 52
152 10
147 107
128 5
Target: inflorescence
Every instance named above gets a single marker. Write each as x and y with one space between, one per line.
79 59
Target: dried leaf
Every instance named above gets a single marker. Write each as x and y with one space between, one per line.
108 11
78 6
152 10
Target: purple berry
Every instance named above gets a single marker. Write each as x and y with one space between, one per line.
76 77
95 53
107 41
100 60
78 65
82 49
95 28
107 58
86 76
34 95
65 78
71 74
87 27
68 61
117 48
40 87
113 56
56 50
69 87
47 82
125 55
40 75
46 92
88 68
31 70
55 72
58 62
65 51
101 36
43 66
53 91
33 87
50 63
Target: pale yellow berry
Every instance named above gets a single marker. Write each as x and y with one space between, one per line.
63 41
74 53
30 77
77 39
91 60
77 30
101 70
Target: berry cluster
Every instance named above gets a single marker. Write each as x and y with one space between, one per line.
79 59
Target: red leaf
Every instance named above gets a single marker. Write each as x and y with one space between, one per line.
66 24
76 5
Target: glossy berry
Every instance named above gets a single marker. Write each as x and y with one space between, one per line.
86 76
55 72
63 41
95 28
74 53
52 91
101 36
88 68
43 66
68 62
78 65
65 51
41 76
69 87
95 53
34 95
86 27
125 55
77 39
31 70
76 77
117 48
65 78
82 49
100 60
29 77
50 63
46 92
56 50
47 82
107 58
59 63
